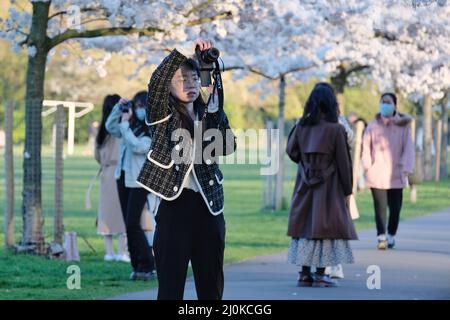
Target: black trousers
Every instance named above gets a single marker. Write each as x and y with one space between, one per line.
132 201
187 231
382 199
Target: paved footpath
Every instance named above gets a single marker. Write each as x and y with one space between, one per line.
418 268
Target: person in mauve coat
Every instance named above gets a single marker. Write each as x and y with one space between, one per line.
320 224
388 157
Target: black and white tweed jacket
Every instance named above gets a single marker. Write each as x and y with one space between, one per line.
161 174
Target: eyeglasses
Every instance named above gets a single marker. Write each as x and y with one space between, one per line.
185 81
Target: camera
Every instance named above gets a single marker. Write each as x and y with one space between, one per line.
206 59
124 107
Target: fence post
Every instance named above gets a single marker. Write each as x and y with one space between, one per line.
269 196
59 173
438 149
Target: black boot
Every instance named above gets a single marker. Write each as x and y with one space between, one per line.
305 278
321 280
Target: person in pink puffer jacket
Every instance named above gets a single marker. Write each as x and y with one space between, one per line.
388 157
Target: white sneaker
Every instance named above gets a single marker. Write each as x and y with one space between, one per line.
123 258
109 257
335 272
390 241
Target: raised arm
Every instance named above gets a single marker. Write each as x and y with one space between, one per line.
138 145
112 123
159 88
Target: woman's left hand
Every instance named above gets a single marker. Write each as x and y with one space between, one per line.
126 116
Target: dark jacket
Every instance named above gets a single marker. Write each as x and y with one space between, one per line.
160 174
318 208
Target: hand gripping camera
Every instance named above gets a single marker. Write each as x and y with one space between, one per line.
207 60
126 106
210 68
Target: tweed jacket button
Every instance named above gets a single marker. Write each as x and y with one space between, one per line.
208 161
210 203
177 147
211 182
175 188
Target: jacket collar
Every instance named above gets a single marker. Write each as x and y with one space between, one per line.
399 119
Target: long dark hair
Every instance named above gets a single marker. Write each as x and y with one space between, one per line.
199 103
108 103
139 127
322 102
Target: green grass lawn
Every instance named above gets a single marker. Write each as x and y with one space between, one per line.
250 231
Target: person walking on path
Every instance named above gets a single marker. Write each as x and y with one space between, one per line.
388 158
126 122
320 224
189 223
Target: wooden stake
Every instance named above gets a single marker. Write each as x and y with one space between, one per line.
59 173
438 149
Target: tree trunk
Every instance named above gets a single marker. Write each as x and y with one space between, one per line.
9 176
444 144
281 146
339 81
428 138
33 218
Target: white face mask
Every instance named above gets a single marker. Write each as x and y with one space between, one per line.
140 113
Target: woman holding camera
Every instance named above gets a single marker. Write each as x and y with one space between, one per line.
126 121
190 223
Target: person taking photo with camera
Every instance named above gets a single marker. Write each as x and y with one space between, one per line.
126 121
189 223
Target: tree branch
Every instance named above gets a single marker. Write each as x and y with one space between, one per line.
60 13
392 38
356 69
92 20
120 31
220 16
197 8
102 32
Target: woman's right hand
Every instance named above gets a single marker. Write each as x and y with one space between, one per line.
123 101
203 44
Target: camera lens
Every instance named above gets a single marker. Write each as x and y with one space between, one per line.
210 55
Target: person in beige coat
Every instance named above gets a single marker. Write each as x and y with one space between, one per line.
109 216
